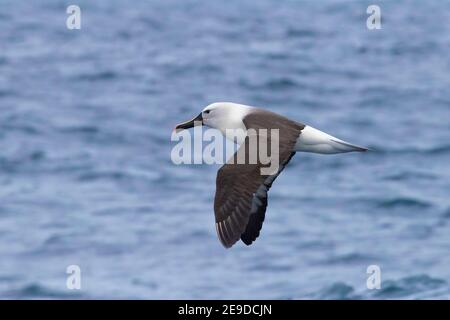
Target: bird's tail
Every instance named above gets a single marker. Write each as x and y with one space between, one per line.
316 141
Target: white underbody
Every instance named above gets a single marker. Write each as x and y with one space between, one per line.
316 141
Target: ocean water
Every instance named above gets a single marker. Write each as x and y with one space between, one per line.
85 171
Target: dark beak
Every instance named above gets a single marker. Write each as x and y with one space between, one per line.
197 121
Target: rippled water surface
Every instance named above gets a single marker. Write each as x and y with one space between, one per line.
85 170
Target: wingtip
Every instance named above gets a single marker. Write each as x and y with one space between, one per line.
363 149
350 147
366 149
223 240
224 244
246 241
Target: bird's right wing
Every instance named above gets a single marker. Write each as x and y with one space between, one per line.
241 189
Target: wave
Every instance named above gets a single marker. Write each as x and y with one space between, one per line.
410 175
336 291
420 286
84 129
102 75
445 215
280 83
403 202
301 33
411 287
271 84
348 258
437 150
37 291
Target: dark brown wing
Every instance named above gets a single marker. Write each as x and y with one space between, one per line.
241 189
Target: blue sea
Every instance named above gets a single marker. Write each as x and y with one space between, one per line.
86 176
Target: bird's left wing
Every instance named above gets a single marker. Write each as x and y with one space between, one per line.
241 188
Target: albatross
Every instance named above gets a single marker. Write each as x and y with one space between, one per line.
241 195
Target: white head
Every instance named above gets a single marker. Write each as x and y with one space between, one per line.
225 115
219 115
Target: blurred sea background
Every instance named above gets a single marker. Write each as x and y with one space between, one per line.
85 171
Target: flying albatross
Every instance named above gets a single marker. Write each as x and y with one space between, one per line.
241 189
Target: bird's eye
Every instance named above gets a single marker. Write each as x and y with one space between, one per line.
207 111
